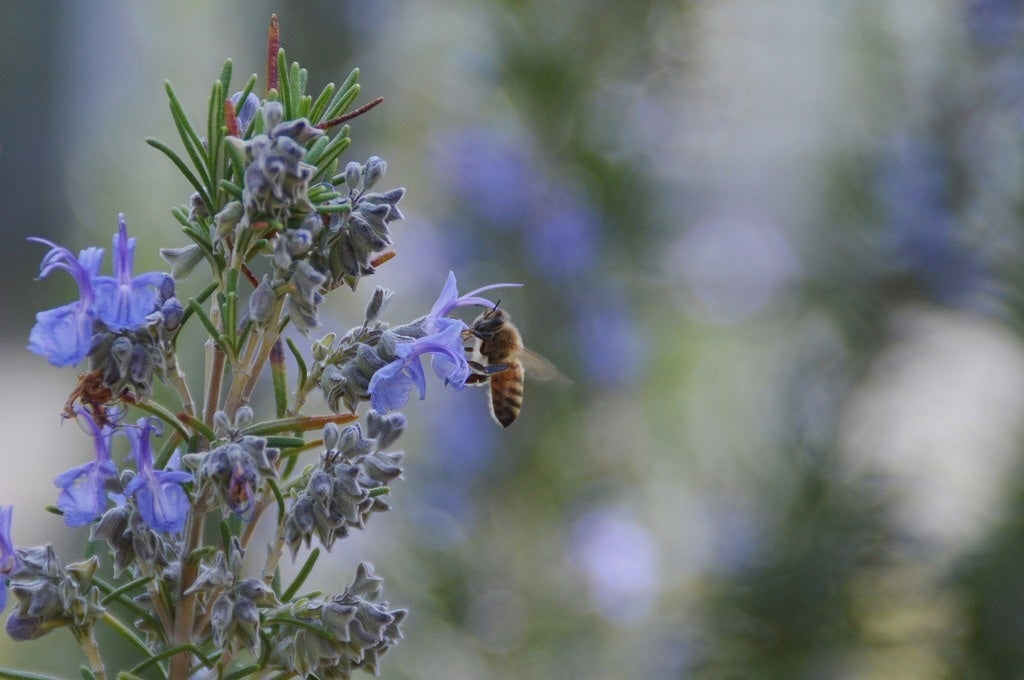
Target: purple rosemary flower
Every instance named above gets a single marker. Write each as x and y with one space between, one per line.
63 335
159 497
123 301
390 386
450 299
8 558
83 496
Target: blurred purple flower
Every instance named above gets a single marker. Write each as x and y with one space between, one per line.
562 237
619 559
8 557
123 301
159 497
450 299
63 335
83 495
490 171
995 23
617 346
922 229
501 184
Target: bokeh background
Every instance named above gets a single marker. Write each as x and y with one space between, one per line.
775 245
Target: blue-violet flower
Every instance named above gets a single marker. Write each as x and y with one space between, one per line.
390 386
159 497
83 496
63 335
450 299
123 301
8 557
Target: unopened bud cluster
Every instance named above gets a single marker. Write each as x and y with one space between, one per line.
50 595
235 470
361 630
345 486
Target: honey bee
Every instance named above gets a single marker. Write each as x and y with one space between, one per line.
500 345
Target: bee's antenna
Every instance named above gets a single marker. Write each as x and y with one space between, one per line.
495 308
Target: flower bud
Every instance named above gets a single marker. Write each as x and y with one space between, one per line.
243 417
353 175
261 302
281 258
385 428
172 314
376 305
298 242
320 485
229 216
373 171
331 436
247 111
182 260
273 113
221 424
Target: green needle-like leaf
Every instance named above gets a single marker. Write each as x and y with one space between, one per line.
125 589
212 329
237 162
230 188
342 101
353 77
22 675
185 170
168 653
296 88
249 85
303 373
285 86
314 628
285 442
320 105
165 415
324 163
124 631
314 151
199 426
243 672
189 137
301 577
214 126
129 604
299 424
277 497
199 299
332 209
225 75
279 376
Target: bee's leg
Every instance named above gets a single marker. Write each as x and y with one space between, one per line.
478 373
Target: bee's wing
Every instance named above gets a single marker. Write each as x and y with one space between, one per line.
539 368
